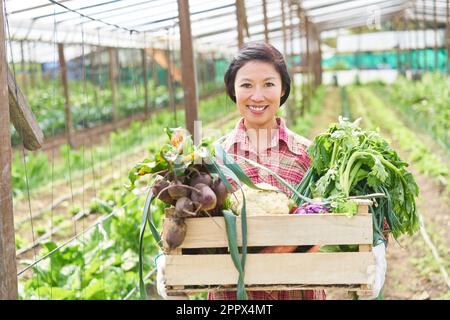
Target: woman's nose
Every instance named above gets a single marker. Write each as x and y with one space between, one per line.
257 95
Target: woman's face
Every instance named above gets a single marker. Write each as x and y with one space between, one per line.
258 90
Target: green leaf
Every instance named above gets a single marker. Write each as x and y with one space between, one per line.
230 223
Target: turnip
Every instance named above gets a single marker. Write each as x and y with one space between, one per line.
178 190
202 177
184 208
164 195
204 200
174 233
220 190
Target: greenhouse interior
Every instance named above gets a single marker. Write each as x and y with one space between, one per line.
108 106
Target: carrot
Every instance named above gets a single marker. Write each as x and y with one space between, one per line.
279 249
287 249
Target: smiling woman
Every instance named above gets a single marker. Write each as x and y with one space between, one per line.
258 82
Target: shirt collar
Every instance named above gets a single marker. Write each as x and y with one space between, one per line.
239 136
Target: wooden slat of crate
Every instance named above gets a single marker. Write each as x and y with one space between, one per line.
344 268
273 230
285 287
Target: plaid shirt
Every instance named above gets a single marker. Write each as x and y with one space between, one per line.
286 155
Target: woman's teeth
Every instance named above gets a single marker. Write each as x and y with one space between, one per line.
257 108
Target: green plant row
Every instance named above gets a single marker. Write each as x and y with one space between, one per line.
39 166
102 264
426 103
92 105
378 115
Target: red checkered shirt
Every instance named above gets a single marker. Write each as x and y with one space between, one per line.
286 155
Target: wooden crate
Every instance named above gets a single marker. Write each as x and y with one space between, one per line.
190 273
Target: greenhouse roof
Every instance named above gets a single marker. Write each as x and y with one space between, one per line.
140 23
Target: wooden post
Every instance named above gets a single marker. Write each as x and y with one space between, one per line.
8 268
213 68
416 36
283 26
31 66
424 37
447 36
24 70
288 103
436 65
308 61
64 81
240 22
397 27
172 103
93 76
144 74
154 79
113 82
317 58
188 76
291 110
200 72
407 24
303 60
266 21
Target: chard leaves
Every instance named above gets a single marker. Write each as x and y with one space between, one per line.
349 161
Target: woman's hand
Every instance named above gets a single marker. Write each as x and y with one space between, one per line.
377 272
160 262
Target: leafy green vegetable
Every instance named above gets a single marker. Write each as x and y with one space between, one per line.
348 161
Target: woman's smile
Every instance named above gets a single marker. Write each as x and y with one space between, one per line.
257 109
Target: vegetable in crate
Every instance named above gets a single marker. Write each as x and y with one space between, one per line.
349 161
183 182
192 180
262 202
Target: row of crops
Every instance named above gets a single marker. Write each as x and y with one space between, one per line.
92 105
38 164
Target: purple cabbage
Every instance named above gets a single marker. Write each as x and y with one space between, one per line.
308 208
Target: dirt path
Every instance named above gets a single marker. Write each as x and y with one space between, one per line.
413 272
330 111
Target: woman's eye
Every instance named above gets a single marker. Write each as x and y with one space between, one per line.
270 84
246 85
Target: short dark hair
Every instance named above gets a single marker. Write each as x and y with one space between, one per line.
258 51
